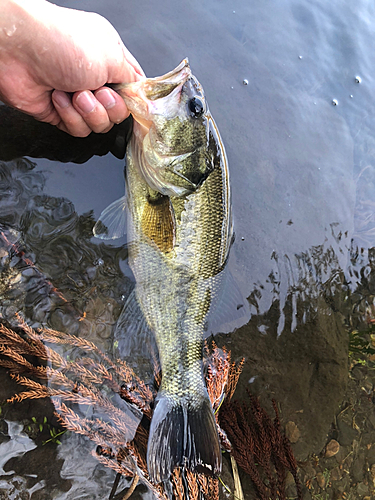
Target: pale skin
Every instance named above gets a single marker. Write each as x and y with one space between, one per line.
54 63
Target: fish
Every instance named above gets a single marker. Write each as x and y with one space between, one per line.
179 230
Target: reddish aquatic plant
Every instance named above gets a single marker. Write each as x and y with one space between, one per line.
246 431
259 447
121 443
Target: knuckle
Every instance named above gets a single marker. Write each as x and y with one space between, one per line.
107 129
82 133
77 129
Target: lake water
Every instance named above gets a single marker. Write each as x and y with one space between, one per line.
300 142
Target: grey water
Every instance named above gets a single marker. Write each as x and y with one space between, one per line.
300 142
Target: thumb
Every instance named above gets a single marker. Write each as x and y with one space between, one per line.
132 61
126 71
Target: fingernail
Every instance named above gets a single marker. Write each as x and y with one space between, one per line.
106 98
85 102
61 99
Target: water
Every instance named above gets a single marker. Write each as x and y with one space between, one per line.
10 31
302 174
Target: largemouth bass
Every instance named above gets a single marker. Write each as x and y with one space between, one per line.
179 230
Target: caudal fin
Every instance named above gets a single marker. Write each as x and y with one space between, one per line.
181 435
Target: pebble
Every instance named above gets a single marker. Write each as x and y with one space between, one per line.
292 432
335 102
342 455
245 82
321 480
289 480
15 279
332 448
104 331
367 387
335 474
358 372
362 489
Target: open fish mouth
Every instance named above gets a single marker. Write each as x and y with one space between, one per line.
162 86
154 96
157 87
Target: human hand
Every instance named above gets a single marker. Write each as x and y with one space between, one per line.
54 63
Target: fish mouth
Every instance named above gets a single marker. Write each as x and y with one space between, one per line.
142 97
162 86
157 87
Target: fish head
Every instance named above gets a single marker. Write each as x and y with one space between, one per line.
172 130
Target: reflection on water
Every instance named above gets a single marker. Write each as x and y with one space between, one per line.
55 276
302 174
296 350
50 269
365 208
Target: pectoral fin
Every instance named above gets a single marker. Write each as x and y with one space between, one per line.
112 221
158 222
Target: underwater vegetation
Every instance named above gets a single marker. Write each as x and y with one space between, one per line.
66 282
105 401
259 447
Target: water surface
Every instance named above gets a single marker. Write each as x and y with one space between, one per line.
302 176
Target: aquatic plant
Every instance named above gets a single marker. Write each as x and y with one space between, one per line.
259 446
119 427
91 380
38 426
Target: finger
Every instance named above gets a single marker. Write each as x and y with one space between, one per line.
133 62
51 116
92 111
126 68
74 124
42 109
113 104
62 127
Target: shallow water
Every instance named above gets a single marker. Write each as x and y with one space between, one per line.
302 176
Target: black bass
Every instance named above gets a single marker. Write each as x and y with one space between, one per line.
179 231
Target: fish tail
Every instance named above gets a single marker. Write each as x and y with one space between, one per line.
182 435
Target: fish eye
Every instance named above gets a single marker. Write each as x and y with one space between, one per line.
196 107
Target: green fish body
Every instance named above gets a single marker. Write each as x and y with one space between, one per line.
180 230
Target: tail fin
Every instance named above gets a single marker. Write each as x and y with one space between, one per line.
182 435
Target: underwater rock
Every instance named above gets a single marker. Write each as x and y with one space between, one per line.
332 448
